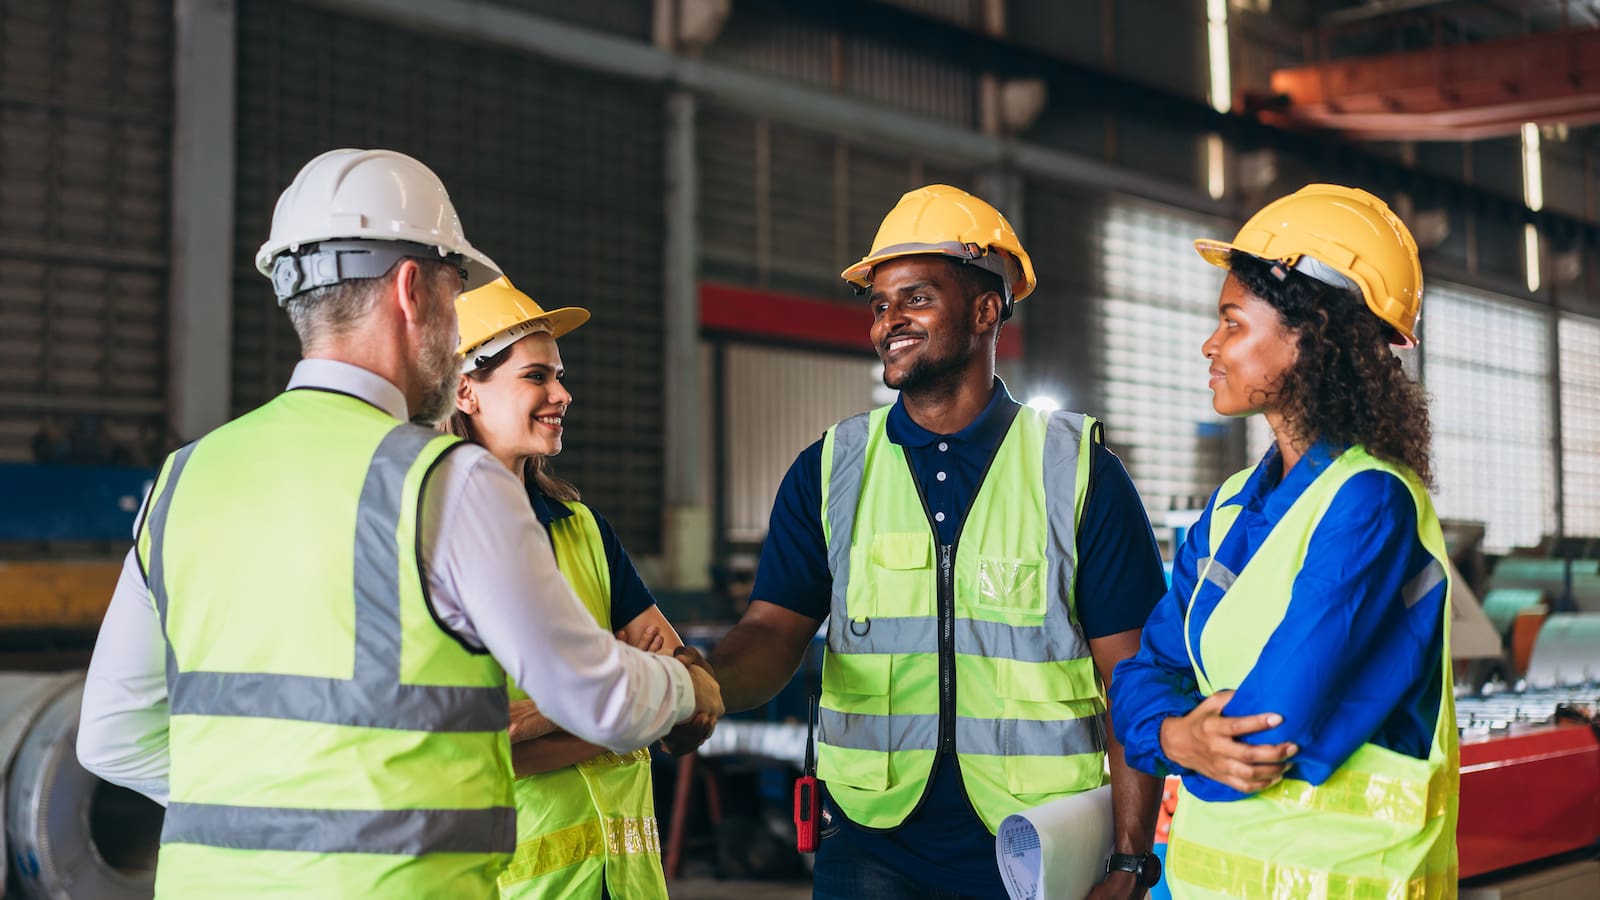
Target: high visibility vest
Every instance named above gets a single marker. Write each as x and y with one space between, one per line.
1384 824
328 737
593 823
972 648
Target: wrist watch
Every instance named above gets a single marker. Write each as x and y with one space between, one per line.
1146 867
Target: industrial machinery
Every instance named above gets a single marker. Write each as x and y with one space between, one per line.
69 835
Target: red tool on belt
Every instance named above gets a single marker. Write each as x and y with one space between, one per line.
807 802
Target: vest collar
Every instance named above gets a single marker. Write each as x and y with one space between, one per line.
1267 492
985 431
546 509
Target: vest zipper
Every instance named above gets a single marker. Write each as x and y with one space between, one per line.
946 595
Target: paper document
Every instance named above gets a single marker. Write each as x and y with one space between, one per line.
1056 851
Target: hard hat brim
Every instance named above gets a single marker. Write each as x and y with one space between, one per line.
561 322
1214 252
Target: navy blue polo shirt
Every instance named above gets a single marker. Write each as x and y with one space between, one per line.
944 844
629 596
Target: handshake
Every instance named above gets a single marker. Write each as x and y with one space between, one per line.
693 731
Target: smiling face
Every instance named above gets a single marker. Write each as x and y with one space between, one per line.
925 325
1250 352
517 410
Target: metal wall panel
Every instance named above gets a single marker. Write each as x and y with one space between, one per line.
1580 425
788 208
794 49
558 175
777 403
1488 372
1156 307
85 159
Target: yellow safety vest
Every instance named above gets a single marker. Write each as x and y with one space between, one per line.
328 738
1383 826
593 823
971 648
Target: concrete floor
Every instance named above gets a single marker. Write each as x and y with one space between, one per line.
712 889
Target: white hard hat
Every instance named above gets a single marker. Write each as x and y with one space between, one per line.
348 201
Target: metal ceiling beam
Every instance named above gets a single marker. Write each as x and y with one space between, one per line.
1452 93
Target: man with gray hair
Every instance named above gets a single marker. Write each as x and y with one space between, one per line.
306 656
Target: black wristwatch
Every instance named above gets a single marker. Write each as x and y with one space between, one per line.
1146 868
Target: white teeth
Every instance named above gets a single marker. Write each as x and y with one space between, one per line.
548 420
902 342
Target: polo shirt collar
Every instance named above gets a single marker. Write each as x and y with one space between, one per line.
546 509
984 431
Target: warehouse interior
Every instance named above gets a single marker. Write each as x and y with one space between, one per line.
697 173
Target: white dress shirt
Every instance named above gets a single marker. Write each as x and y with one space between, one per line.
493 581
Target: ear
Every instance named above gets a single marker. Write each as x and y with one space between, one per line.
411 289
467 396
986 312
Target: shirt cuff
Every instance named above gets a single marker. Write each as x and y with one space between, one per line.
683 691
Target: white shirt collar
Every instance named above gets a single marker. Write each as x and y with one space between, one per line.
333 375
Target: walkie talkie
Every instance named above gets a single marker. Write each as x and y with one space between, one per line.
807 802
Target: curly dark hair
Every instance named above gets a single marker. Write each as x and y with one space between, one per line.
1346 386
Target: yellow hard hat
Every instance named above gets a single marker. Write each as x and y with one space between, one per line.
498 315
1341 236
951 222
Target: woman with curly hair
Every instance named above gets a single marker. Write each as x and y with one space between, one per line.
1297 674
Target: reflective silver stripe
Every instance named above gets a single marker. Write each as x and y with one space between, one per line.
403 832
988 737
844 493
156 524
1027 737
1063 442
1424 582
859 731
335 701
1216 573
974 637
374 697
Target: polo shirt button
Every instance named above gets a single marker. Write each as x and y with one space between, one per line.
943 446
941 476
938 517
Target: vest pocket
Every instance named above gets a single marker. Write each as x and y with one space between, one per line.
1011 585
853 735
1050 732
902 575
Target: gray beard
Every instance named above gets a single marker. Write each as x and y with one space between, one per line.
437 366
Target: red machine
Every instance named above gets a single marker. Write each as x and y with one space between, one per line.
1527 796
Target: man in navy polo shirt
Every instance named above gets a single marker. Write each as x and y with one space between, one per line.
982 567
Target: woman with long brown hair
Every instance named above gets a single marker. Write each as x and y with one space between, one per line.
585 818
1297 674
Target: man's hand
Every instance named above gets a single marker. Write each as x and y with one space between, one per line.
527 722
1206 741
1118 885
692 732
651 640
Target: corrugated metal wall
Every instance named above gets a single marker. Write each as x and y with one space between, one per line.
1580 424
777 402
788 208
85 181
1488 372
557 173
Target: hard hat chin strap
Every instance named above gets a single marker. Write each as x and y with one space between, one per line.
330 262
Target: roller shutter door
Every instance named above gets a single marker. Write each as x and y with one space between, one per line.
85 160
557 174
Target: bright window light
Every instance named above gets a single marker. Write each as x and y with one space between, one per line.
1530 249
1532 171
1044 402
1217 43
